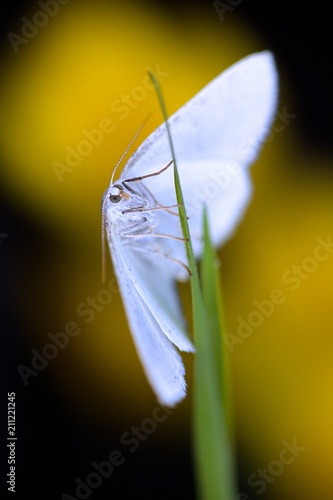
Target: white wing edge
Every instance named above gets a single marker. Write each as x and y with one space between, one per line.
168 322
160 360
264 63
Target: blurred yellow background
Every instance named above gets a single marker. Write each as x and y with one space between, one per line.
70 78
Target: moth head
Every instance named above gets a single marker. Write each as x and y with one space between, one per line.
117 194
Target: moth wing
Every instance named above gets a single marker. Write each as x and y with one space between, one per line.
220 130
154 318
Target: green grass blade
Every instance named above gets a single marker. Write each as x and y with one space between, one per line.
215 438
179 194
215 475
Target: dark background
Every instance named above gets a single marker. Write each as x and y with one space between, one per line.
300 36
52 443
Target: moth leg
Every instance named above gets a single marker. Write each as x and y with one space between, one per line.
150 209
165 256
137 179
127 232
166 208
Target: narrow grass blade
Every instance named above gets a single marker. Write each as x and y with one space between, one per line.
214 433
215 476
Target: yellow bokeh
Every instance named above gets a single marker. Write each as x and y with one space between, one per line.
73 97
88 71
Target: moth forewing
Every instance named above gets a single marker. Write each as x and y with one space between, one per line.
212 131
160 360
134 229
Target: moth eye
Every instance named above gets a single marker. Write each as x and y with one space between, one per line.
115 198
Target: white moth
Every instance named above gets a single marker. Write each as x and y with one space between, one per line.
216 136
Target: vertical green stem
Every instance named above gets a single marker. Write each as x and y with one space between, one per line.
212 444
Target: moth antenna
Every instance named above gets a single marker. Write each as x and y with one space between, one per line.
130 144
104 201
103 243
